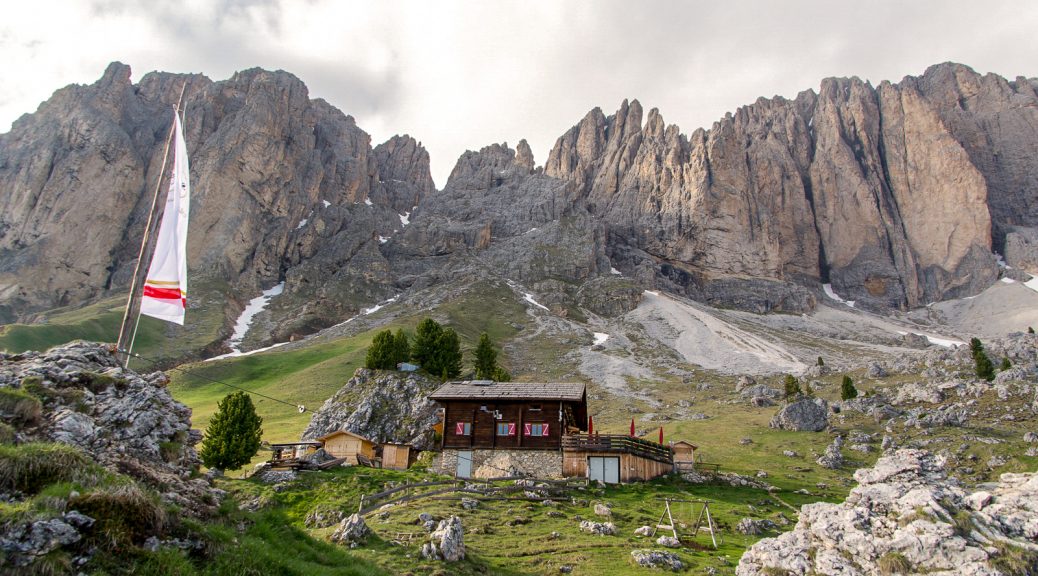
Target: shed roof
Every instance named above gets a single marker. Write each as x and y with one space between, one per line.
487 390
346 432
685 442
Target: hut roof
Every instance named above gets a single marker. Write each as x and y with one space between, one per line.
346 432
490 390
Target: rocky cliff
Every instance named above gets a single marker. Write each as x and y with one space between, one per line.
284 187
896 194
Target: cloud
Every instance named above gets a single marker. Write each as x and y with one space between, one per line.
462 74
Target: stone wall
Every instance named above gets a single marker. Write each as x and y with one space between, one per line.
497 463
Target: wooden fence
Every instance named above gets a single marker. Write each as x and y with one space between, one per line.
618 443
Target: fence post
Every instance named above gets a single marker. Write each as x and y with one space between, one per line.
361 506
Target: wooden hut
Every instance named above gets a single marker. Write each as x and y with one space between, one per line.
684 456
398 456
355 448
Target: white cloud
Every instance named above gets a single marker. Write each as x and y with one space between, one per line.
463 74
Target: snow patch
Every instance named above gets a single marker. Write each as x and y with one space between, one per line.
405 218
1009 281
529 298
600 338
531 230
367 201
615 271
828 288
1032 283
376 307
326 203
651 293
254 307
249 353
302 223
944 341
383 239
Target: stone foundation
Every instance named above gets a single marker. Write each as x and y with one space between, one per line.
497 463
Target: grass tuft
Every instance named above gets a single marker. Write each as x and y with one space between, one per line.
124 514
31 467
894 563
1014 560
19 406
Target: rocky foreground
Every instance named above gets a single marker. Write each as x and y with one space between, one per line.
907 516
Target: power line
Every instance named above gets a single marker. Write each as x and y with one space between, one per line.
301 408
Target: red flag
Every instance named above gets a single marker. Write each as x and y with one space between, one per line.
661 434
590 424
632 427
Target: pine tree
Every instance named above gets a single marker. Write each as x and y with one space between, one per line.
847 389
820 361
984 368
1030 330
792 386
423 348
486 358
233 435
448 353
401 347
382 352
1006 364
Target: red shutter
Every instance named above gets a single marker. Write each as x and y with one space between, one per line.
544 431
526 429
511 428
459 428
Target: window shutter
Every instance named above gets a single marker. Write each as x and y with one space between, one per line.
459 428
526 429
544 431
511 428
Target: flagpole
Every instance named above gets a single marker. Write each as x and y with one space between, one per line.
122 346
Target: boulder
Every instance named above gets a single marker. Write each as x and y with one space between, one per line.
446 542
808 414
832 459
753 527
351 531
598 528
659 559
668 542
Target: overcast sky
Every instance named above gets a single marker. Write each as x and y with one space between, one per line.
461 75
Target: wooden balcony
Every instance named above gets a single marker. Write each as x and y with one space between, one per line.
618 443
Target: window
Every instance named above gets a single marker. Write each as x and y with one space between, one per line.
535 408
463 428
506 428
538 429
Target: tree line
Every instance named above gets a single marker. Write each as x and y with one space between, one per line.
435 349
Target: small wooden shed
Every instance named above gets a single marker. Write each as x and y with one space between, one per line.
345 444
398 456
684 456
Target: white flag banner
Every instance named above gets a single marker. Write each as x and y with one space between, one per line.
165 289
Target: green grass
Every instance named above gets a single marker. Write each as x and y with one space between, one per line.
31 467
99 322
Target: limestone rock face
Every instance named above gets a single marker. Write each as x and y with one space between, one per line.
447 541
895 194
904 506
382 405
283 188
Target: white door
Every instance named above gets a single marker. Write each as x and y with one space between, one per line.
464 464
604 469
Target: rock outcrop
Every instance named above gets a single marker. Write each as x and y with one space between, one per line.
382 405
447 541
907 514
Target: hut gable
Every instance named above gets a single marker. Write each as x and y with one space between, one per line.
348 445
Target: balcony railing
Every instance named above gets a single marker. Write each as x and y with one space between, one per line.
618 443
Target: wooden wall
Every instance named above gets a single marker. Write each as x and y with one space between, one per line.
396 457
484 425
346 446
632 468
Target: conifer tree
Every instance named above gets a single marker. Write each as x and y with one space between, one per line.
847 389
984 368
448 353
486 358
792 387
401 347
1006 364
382 352
233 435
423 348
820 361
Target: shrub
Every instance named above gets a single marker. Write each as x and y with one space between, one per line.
7 434
124 514
31 467
1006 364
1011 559
847 389
19 406
233 435
894 563
1030 330
820 361
97 383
